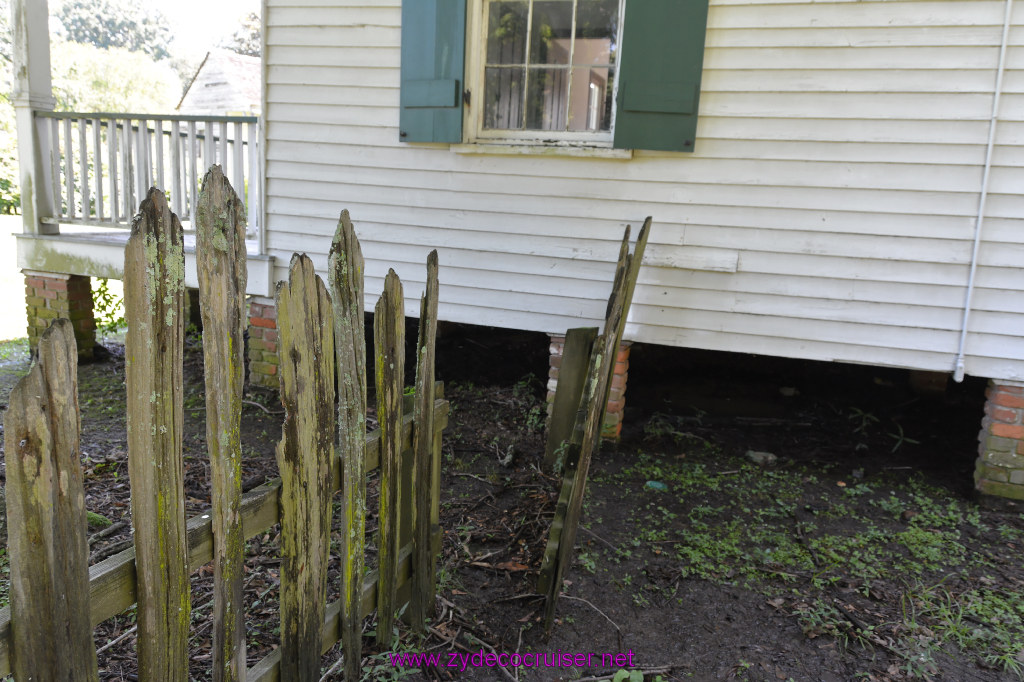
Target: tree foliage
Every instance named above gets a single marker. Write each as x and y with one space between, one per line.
88 78
246 40
115 24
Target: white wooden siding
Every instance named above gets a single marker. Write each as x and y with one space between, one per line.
827 213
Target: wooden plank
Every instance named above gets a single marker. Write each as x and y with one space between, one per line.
112 582
345 276
69 172
176 175
237 167
209 151
83 166
55 182
97 149
424 559
127 172
572 376
158 148
154 285
252 191
222 145
192 159
305 460
49 555
221 269
389 352
587 430
114 179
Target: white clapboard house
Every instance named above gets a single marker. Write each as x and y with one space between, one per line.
829 179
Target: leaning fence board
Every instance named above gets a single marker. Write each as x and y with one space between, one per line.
346 279
221 268
389 351
112 582
154 284
306 335
49 553
424 564
572 375
587 429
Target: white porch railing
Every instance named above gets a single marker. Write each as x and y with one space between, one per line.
102 164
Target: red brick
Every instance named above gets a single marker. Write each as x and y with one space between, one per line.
270 346
1012 390
615 406
555 360
262 322
57 284
1002 414
621 367
35 282
619 381
623 355
45 293
552 372
1020 448
1008 431
1007 400
270 334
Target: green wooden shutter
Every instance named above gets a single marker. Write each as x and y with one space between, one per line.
659 74
433 54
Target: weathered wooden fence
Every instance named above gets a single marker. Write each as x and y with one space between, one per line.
56 600
588 364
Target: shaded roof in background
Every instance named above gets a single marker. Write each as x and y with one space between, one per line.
226 83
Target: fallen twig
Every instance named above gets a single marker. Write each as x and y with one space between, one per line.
262 407
614 624
109 530
584 528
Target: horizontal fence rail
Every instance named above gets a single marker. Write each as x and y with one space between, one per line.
102 164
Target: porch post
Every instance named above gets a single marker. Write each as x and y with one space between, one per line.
32 92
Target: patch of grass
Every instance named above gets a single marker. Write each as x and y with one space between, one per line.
806 538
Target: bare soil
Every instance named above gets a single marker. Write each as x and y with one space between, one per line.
858 553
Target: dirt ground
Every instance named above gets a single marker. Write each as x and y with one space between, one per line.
853 551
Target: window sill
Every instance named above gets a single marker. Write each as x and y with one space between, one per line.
583 151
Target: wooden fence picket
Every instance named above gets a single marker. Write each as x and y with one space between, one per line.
154 284
586 432
49 554
424 562
305 461
389 350
572 375
345 276
221 267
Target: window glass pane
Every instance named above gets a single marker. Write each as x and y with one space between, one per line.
503 98
546 99
551 35
590 106
506 32
597 25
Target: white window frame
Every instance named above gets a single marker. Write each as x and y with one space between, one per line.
473 117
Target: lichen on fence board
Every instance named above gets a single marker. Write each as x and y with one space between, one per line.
154 284
221 268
